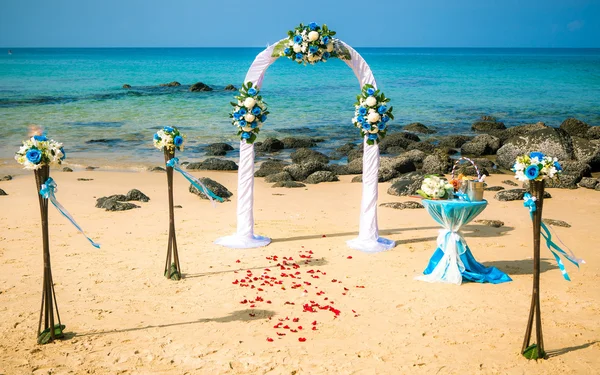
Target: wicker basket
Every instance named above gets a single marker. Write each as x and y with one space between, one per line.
472 190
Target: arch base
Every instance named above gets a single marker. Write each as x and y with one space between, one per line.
236 241
371 245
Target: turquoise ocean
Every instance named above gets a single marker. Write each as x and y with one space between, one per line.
76 95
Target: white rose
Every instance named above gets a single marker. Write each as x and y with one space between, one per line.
249 117
304 47
247 128
297 48
371 101
249 103
373 117
313 35
330 47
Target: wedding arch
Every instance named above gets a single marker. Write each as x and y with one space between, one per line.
368 239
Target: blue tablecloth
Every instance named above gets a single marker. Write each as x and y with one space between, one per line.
453 261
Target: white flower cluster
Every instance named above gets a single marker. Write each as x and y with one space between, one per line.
372 114
249 112
168 137
310 44
434 187
39 151
536 166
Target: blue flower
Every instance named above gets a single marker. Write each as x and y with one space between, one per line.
287 51
370 91
34 155
237 116
242 111
168 129
325 40
178 140
298 56
263 118
156 137
362 111
381 126
64 154
297 39
313 49
242 123
372 137
326 55
382 109
558 166
385 118
532 172
538 155
360 119
40 138
313 25
251 91
253 125
256 111
246 135
366 126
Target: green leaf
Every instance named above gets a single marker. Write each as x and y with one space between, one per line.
370 142
252 138
532 352
423 194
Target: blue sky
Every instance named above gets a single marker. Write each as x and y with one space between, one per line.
254 23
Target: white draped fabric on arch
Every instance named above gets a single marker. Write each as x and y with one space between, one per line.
368 239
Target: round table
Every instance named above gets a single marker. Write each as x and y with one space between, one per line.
453 261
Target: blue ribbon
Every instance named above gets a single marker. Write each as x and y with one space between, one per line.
174 163
529 202
47 191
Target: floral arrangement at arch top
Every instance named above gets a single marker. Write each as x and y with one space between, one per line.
249 112
372 114
310 44
536 166
39 151
434 187
169 137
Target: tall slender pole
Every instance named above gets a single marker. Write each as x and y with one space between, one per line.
172 267
535 351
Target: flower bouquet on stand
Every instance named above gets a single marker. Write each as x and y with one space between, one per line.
37 154
536 168
434 187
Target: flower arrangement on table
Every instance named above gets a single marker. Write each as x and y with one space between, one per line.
372 114
170 138
536 166
434 187
309 44
40 151
249 112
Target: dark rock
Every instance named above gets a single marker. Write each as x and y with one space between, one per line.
597 188
342 151
338 169
278 177
490 223
288 184
230 88
576 168
117 197
467 169
406 185
85 179
355 166
550 141
517 131
437 163
410 205
514 195
170 84
564 181
213 164
422 146
156 169
593 132
67 169
270 167
402 139
136 195
510 183
291 142
556 223
6 178
354 155
494 188
416 156
392 167
588 182
483 144
305 155
126 86
90 168
453 141
576 128
177 206
321 176
417 127
357 178
300 172
587 152
488 118
115 203
270 145
394 150
104 140
486 124
199 86
2 192
212 185
217 149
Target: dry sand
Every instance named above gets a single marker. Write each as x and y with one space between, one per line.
124 317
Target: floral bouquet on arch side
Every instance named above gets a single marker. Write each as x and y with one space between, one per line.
372 114
536 166
249 112
170 138
434 187
310 44
39 151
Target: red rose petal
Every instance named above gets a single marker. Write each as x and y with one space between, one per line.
302 339
349 257
237 261
296 320
269 339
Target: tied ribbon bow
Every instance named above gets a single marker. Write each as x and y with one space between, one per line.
174 163
47 191
529 203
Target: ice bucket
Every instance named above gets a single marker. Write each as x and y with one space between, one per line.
475 190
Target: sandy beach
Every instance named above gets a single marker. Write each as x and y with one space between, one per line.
124 317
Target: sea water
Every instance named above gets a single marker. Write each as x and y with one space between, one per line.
76 95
